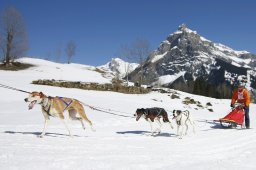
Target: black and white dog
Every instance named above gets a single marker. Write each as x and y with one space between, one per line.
152 114
182 119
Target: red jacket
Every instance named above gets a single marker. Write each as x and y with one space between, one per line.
241 97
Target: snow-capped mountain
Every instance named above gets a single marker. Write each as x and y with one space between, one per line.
119 67
186 60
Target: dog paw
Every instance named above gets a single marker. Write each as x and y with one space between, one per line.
157 131
179 137
94 130
40 136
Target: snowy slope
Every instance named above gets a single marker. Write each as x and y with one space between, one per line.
49 70
119 142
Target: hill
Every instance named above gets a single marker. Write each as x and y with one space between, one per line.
119 142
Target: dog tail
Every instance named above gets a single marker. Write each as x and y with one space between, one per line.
186 111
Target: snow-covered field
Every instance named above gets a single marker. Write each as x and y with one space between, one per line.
119 142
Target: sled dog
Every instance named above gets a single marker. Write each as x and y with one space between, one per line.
55 107
183 118
152 114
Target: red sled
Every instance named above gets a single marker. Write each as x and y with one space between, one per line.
234 118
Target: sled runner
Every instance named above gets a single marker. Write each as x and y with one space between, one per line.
234 118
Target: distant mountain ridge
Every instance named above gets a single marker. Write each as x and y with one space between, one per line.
119 67
189 62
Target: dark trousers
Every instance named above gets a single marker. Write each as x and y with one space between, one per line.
247 117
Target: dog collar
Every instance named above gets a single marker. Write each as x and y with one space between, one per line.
45 107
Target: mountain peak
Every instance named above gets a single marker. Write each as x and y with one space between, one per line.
183 28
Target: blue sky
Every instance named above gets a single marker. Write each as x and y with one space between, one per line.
100 27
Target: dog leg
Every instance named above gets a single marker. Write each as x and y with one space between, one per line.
66 126
171 125
84 117
151 127
160 125
81 120
178 132
193 125
182 131
72 116
45 126
186 124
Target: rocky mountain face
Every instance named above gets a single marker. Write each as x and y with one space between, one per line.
187 61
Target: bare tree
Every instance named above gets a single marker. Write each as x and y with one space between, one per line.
14 42
140 50
70 50
58 52
137 52
48 55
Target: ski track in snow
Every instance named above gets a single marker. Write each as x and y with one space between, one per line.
119 142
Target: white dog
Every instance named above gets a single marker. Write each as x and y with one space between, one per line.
182 119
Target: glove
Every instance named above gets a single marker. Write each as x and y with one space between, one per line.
232 105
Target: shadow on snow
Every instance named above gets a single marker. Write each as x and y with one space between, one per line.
215 125
146 133
39 133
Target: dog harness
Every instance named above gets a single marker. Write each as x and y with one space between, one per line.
49 107
182 113
67 104
47 110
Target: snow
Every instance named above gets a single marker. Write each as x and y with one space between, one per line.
166 79
119 142
204 39
223 48
50 70
176 32
166 42
119 66
158 57
189 31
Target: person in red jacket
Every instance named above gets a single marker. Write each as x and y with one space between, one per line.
241 95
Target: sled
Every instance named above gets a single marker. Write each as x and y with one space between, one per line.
234 118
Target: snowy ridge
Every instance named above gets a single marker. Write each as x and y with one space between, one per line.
167 79
223 48
119 67
158 57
